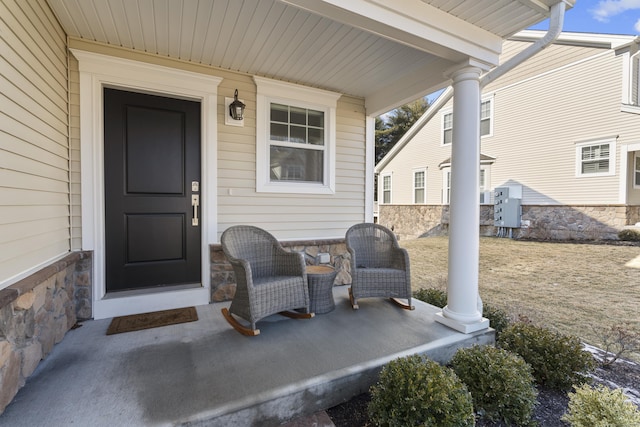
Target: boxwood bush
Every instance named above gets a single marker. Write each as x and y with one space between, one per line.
600 407
414 391
558 361
498 318
431 296
629 234
500 382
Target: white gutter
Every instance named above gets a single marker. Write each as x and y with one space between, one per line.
556 20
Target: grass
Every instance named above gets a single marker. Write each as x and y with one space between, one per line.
576 289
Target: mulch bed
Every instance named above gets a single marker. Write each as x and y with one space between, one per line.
551 404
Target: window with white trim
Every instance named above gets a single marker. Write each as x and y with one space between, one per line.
386 188
419 185
295 136
595 158
636 170
447 128
446 186
486 122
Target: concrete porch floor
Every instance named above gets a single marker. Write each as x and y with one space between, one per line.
204 373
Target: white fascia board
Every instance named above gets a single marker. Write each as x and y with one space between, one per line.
412 23
603 41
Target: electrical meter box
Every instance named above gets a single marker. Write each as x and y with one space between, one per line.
507 209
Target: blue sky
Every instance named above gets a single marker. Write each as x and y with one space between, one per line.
601 16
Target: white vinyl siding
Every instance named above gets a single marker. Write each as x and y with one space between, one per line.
534 137
290 216
419 186
34 140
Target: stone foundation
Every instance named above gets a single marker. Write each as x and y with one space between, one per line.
223 285
36 313
579 222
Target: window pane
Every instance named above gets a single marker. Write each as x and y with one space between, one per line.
316 136
296 164
419 195
298 115
448 136
595 159
279 132
316 118
386 183
485 127
485 110
386 197
418 179
298 134
448 120
279 113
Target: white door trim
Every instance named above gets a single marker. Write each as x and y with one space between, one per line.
96 72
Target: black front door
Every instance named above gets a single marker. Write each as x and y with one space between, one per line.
152 173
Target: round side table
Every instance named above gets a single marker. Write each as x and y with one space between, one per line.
320 281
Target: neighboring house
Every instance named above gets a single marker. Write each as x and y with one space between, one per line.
562 131
120 165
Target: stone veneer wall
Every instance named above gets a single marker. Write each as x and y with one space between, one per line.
223 284
579 222
36 313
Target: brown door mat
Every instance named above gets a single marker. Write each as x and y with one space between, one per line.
137 322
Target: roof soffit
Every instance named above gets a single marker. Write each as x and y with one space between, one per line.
412 23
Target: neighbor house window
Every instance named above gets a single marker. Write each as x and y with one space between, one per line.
486 122
295 134
483 186
386 188
446 186
419 185
636 176
595 158
447 128
486 118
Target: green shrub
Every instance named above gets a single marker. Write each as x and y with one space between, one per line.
498 318
558 361
600 407
500 382
629 234
414 391
431 296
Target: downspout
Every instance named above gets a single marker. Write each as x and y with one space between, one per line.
556 20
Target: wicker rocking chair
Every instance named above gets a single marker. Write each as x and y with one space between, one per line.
269 279
379 266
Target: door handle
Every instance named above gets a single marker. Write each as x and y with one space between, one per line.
195 202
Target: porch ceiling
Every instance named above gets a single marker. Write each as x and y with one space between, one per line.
386 52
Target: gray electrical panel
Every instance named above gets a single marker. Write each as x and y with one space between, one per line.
507 210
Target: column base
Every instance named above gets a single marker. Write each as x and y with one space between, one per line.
465 328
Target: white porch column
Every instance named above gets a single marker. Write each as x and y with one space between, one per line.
461 312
